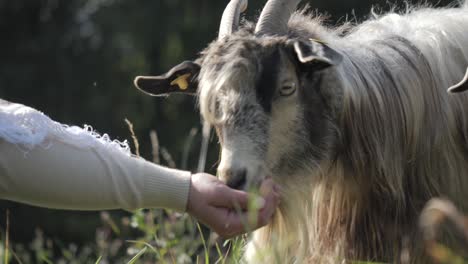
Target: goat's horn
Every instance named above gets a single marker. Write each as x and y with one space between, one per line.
275 16
230 19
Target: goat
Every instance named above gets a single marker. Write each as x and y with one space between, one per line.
353 122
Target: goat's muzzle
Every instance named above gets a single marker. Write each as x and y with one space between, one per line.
234 178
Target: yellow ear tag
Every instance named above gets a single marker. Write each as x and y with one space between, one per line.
181 81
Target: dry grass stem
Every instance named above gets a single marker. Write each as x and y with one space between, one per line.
187 147
204 146
168 158
155 146
135 140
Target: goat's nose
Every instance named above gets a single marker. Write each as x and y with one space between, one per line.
236 178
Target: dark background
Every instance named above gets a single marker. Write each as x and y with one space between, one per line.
76 60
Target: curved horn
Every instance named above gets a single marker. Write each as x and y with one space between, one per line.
275 16
230 18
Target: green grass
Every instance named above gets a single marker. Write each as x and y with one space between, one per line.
149 236
163 236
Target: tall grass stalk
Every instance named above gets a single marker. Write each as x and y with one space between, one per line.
204 146
168 158
98 260
135 139
187 147
207 255
155 146
138 255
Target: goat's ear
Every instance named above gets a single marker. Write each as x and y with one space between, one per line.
461 86
315 54
180 79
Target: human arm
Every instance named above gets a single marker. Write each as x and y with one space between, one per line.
45 163
64 176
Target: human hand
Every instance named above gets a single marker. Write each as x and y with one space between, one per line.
224 209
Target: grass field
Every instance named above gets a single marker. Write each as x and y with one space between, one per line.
149 236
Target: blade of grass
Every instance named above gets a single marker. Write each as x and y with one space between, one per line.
144 243
207 256
46 260
172 257
13 254
148 245
155 146
222 258
168 158
135 139
236 249
138 255
228 251
98 260
220 254
204 147
187 147
106 218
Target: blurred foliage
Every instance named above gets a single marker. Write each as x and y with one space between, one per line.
75 60
147 236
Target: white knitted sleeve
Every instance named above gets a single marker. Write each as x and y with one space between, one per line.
48 164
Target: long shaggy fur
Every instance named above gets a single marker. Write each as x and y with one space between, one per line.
397 140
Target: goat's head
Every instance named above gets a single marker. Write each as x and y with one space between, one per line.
266 95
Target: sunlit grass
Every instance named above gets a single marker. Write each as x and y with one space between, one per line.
164 237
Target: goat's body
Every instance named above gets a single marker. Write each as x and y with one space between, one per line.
399 140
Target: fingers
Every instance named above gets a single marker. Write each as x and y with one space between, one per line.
267 186
272 200
234 223
236 199
231 198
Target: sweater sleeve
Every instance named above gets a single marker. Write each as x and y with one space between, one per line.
65 176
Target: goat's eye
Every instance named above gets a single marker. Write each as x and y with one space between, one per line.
287 89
